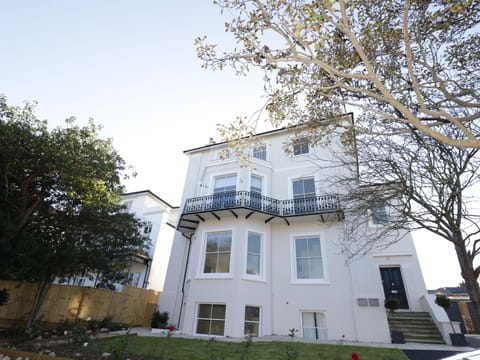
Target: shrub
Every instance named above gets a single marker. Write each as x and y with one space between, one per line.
159 320
392 304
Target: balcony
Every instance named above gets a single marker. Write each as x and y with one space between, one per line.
248 204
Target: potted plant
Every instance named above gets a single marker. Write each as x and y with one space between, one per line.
159 321
392 304
458 339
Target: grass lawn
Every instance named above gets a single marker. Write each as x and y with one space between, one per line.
181 348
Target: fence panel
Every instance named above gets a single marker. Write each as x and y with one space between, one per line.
133 305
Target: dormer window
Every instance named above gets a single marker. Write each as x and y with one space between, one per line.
300 146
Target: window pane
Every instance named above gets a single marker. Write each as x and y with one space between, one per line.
210 263
223 265
252 313
297 187
203 326
253 264
217 327
302 269
254 241
256 184
225 183
309 186
315 268
218 311
204 310
301 246
314 248
260 152
251 329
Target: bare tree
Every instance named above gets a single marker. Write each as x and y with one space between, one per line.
424 184
403 63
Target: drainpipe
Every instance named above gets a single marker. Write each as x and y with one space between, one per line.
147 273
184 277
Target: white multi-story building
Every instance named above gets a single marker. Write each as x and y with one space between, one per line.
149 271
257 251
146 270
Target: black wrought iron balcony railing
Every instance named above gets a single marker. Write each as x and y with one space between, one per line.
254 201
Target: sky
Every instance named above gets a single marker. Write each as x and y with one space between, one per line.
132 67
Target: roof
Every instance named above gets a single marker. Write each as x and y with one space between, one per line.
265 133
148 192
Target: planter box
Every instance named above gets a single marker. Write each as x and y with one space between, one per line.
397 337
458 340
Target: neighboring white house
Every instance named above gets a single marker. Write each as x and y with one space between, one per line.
145 271
257 251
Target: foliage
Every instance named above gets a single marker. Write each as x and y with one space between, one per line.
392 304
401 63
159 320
442 301
183 348
59 202
4 295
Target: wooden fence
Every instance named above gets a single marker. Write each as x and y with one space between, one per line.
133 305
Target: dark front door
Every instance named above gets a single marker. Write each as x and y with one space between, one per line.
393 285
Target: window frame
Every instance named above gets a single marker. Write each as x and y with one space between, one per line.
197 318
258 322
298 146
262 265
293 180
201 262
375 216
256 152
293 255
219 176
323 330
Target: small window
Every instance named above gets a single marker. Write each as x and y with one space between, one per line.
254 253
252 321
379 214
303 188
314 325
300 146
260 152
225 183
217 252
225 153
256 184
148 228
308 258
211 319
135 279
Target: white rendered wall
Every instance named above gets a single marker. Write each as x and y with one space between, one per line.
279 296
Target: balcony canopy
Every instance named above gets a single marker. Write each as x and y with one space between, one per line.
253 205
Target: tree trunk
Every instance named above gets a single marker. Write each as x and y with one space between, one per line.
42 290
468 274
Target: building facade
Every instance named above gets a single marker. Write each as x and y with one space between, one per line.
257 250
148 270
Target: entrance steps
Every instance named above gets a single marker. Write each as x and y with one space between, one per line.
415 326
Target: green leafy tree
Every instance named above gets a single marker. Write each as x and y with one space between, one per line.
60 213
401 63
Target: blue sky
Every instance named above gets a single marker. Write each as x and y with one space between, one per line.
131 65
